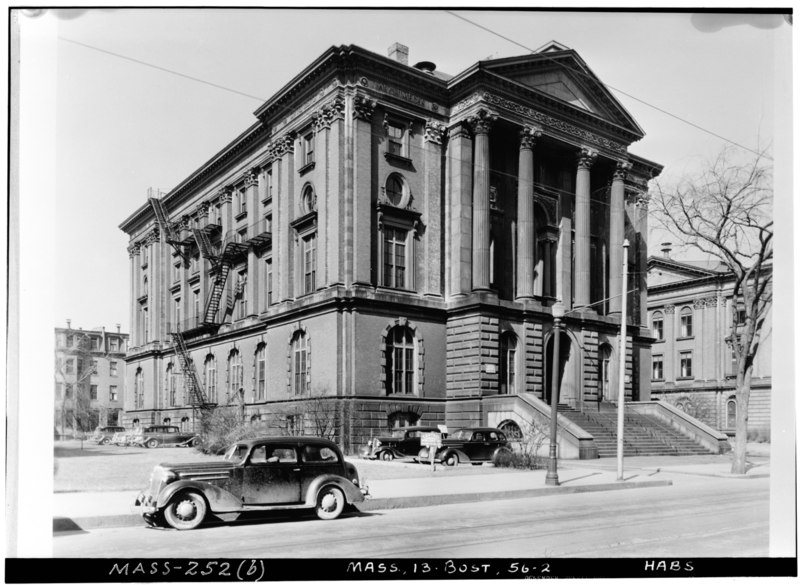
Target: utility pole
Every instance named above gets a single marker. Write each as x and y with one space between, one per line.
623 332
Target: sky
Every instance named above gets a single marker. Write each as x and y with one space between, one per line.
122 126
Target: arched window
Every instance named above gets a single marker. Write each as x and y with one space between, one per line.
511 430
308 199
658 325
686 322
401 419
167 420
185 423
261 372
235 374
210 374
508 363
400 361
730 414
138 395
172 385
300 375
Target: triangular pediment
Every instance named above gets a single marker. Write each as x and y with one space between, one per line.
667 271
559 73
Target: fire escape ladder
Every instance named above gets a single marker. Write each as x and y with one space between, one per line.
189 372
166 228
216 293
206 249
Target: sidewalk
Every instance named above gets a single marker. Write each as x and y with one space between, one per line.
88 510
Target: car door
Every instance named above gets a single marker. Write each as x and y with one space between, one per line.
271 475
478 446
318 460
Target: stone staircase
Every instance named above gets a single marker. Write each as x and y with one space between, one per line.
642 434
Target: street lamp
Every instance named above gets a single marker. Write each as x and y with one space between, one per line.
552 464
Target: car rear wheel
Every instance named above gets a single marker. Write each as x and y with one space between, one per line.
330 502
451 460
152 444
387 456
185 511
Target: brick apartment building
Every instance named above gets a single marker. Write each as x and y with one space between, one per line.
690 309
394 238
90 378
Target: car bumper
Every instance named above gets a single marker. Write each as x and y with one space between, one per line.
145 504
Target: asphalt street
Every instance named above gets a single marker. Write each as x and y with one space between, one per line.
695 517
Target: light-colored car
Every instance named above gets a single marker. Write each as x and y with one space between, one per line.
157 435
103 435
400 443
273 473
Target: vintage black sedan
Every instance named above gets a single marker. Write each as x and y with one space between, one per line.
475 446
400 443
274 473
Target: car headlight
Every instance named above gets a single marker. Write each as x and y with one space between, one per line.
376 443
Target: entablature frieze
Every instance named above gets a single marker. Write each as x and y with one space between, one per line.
549 125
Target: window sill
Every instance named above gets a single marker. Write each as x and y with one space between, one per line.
241 216
659 341
657 380
686 338
306 167
684 378
397 158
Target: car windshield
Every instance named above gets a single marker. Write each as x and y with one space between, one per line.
236 453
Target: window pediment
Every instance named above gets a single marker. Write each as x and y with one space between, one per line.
404 218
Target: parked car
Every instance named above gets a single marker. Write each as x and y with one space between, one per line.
103 435
156 435
126 437
402 442
274 473
470 446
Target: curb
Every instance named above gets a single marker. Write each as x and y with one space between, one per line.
65 525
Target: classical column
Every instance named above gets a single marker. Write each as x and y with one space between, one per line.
616 235
526 238
133 253
481 125
459 154
254 205
432 253
586 158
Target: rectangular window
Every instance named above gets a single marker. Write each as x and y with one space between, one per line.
112 367
96 343
309 263
242 199
241 292
69 366
196 295
394 258
93 392
658 328
261 375
112 393
113 344
94 367
177 313
308 148
658 367
686 364
269 282
269 184
79 366
396 135
194 264
70 340
686 325
176 272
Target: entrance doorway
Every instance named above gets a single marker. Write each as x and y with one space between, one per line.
606 392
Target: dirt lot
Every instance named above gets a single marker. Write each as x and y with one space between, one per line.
92 467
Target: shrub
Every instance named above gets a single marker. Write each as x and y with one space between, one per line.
527 448
221 427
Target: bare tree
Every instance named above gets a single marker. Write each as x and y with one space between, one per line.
320 415
725 211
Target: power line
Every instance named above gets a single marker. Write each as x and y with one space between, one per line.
663 111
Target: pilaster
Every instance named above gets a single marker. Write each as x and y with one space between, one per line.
431 268
459 149
586 159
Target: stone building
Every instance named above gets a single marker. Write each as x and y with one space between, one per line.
690 310
90 378
394 239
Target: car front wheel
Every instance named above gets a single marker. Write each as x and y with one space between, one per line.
185 511
152 444
451 460
330 503
387 456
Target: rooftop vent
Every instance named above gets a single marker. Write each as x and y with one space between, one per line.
426 66
666 248
399 53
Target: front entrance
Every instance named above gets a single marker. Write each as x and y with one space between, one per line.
568 389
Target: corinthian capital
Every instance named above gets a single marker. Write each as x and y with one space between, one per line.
528 136
434 131
363 107
586 158
482 121
621 170
251 178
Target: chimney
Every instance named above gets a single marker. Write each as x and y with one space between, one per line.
399 53
69 323
666 248
118 326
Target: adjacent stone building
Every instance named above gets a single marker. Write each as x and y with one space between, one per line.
90 378
393 239
690 310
